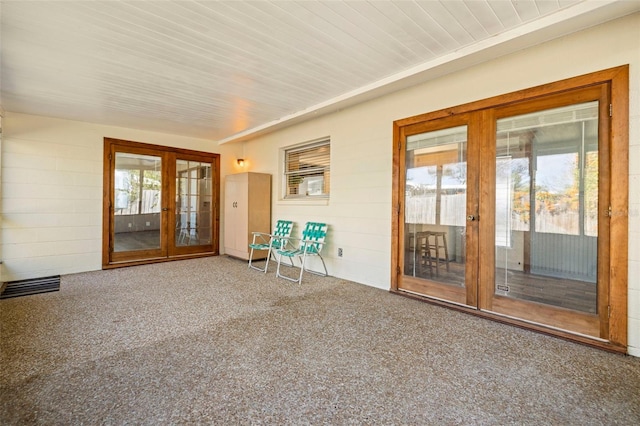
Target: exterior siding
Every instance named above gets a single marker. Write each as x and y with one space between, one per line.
52 192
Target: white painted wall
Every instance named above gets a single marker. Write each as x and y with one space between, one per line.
52 169
359 210
52 191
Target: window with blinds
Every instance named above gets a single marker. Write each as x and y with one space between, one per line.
306 170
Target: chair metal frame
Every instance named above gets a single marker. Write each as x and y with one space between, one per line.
270 242
310 244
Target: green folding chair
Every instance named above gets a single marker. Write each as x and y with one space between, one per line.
309 245
270 242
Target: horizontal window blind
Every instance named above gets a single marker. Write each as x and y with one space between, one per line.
307 170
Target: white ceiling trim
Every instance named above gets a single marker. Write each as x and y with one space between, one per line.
565 21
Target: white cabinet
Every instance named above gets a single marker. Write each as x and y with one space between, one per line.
247 209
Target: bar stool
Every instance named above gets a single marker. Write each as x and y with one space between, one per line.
423 255
434 246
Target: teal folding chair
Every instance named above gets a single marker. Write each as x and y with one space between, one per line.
270 242
310 245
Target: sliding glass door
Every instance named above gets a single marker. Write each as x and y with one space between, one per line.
160 203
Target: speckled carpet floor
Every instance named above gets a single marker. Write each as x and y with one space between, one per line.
208 341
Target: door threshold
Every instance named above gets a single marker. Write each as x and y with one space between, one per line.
595 342
123 264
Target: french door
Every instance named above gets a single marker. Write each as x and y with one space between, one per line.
551 174
160 203
437 244
507 211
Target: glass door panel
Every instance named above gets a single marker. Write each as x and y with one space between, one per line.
194 207
193 212
137 210
546 216
435 213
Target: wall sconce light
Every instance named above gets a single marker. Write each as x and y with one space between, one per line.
240 162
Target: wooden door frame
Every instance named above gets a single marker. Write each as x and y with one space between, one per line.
617 80
166 153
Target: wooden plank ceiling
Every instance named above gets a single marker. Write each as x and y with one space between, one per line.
224 70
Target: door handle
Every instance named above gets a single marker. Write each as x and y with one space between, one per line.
164 209
471 218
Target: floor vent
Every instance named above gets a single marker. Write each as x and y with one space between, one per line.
31 286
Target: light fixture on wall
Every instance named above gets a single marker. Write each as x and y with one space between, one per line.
240 162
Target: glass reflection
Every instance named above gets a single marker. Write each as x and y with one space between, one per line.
194 205
137 202
546 207
435 205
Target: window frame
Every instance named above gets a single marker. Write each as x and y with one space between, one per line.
324 171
